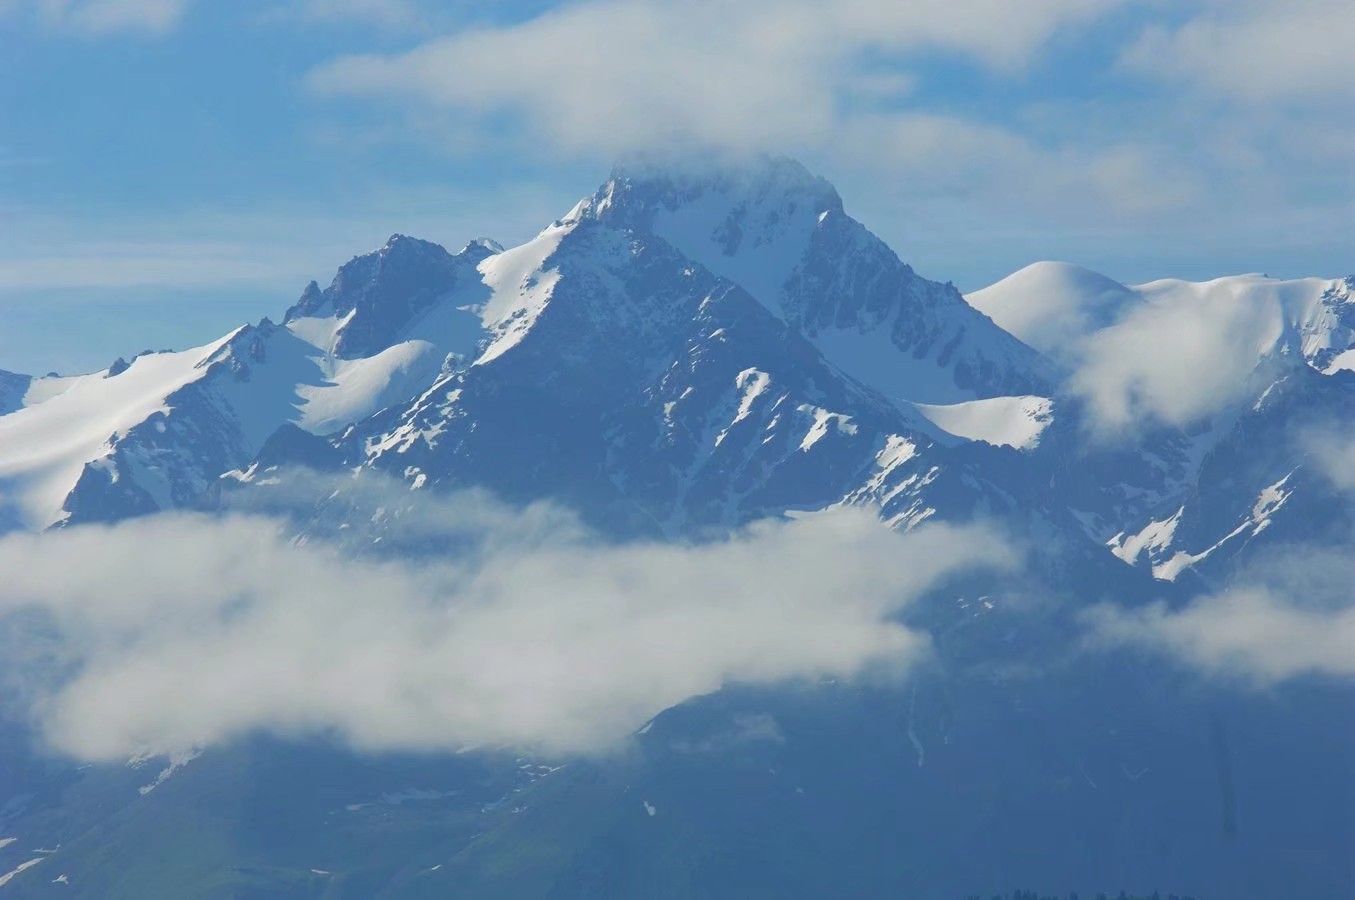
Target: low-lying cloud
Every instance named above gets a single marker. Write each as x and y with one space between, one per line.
1252 634
183 630
1333 452
1291 614
1174 362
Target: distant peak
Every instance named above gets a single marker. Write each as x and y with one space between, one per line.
639 186
310 302
481 246
383 289
1052 275
404 243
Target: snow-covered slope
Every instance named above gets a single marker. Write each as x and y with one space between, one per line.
45 446
1262 484
619 375
1014 422
1056 306
1310 317
1052 306
1192 498
782 234
156 433
687 350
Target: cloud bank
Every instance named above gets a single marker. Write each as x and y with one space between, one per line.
833 80
627 73
1255 50
1292 614
1174 362
180 630
1333 452
1252 634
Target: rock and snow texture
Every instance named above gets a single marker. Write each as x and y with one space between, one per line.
782 235
1014 422
1055 307
157 432
694 349
1263 363
18 870
45 445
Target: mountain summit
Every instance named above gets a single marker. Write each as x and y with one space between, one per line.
782 234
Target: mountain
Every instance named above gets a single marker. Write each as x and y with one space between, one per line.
1238 479
157 432
782 235
686 351
1054 305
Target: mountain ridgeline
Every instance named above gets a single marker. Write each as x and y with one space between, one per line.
687 351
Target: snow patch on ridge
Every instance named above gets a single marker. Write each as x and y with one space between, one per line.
44 448
519 289
1016 422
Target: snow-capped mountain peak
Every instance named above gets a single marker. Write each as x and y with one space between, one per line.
783 235
1051 305
380 294
750 222
1056 306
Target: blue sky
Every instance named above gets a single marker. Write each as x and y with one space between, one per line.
170 168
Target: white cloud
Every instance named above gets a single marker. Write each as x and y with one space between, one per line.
99 17
613 76
1175 361
621 74
1333 450
184 631
1250 633
1256 50
1288 614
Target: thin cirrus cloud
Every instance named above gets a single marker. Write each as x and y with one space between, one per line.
181 264
534 635
103 17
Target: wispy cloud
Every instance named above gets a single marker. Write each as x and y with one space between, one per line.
1257 51
1250 634
852 87
616 74
101 17
524 631
1333 451
399 15
1175 362
176 265
1290 614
